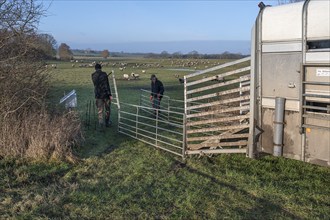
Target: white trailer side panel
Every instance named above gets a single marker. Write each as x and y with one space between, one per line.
282 23
318 20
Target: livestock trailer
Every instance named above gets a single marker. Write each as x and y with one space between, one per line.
290 84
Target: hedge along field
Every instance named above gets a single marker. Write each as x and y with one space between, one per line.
120 178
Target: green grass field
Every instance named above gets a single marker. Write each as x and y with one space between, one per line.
121 178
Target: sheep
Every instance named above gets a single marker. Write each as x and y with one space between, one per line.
135 75
143 71
54 66
126 76
218 79
105 64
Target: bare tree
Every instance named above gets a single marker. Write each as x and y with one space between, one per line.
46 43
23 85
18 21
193 54
19 58
177 54
105 54
164 54
65 52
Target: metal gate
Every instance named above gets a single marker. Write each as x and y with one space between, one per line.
217 103
212 118
164 130
315 113
141 123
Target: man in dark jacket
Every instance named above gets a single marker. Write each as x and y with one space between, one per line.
102 94
157 91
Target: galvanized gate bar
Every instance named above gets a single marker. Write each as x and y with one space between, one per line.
316 126
217 129
216 151
219 76
317 96
221 136
316 108
227 83
322 117
218 67
247 97
219 144
115 94
217 94
316 83
217 120
225 110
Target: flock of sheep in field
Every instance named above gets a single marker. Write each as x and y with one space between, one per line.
178 63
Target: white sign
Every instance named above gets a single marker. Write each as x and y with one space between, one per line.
322 72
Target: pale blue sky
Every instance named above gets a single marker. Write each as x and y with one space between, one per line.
151 26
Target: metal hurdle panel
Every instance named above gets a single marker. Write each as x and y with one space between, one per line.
140 123
222 98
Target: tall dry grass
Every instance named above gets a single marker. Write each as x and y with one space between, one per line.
40 135
27 128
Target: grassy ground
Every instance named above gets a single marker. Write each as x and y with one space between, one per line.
120 178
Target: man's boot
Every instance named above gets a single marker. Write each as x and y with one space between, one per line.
107 122
101 127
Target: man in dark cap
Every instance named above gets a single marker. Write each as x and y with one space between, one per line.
157 91
102 95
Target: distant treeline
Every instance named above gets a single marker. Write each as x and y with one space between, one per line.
225 55
164 54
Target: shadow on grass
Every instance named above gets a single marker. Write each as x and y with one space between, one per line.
107 150
262 208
